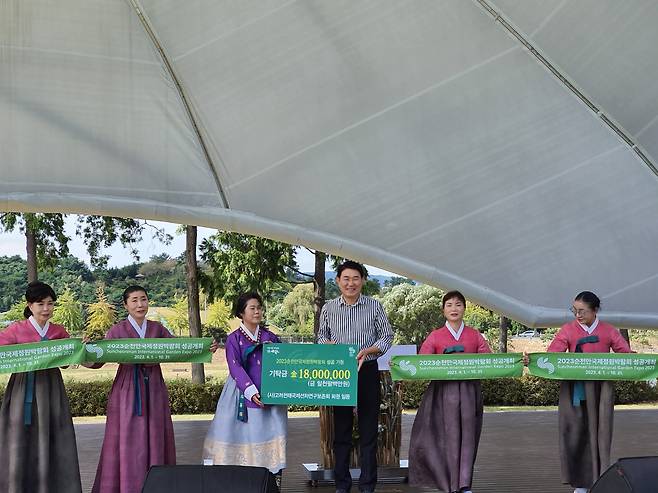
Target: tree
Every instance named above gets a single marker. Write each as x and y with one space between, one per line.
45 238
101 315
277 318
319 289
68 312
481 318
163 276
165 281
178 321
218 317
371 287
413 311
193 312
394 281
504 329
71 273
240 263
298 307
15 312
299 303
485 321
13 272
157 265
47 242
331 289
100 232
624 334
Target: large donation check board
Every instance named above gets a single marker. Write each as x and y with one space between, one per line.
17 358
316 374
160 350
461 366
594 366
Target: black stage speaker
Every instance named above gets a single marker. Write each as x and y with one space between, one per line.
629 475
207 479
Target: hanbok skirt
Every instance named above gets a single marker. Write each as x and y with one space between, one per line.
41 457
134 443
445 435
260 441
585 432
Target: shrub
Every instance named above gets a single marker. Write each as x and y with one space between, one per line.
100 316
531 391
88 398
412 393
185 397
630 392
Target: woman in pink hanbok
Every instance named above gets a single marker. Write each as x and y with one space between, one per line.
38 452
585 411
446 432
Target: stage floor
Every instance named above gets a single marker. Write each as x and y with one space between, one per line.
518 450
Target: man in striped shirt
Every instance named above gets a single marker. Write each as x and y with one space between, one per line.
356 319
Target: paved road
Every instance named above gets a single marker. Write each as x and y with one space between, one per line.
518 450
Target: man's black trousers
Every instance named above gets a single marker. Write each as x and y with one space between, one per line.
368 420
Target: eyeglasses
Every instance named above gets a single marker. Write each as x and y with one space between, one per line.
578 312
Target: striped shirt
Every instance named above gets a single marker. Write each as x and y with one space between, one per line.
363 324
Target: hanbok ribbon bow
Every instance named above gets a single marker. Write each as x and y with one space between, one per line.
457 348
140 372
29 394
241 414
579 386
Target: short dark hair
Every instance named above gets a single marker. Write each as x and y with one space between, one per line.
37 291
133 289
590 299
243 299
351 264
450 295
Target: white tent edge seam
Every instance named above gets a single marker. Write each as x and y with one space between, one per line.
157 45
249 223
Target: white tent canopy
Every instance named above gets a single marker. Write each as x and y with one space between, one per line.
506 149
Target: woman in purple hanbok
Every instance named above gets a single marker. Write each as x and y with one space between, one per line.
138 432
244 431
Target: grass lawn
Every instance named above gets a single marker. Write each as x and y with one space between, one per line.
217 369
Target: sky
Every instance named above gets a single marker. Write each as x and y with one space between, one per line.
14 244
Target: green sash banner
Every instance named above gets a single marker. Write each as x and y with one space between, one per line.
460 366
150 351
324 374
594 366
17 358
